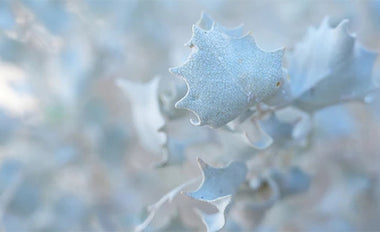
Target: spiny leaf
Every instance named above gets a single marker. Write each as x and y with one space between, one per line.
226 75
328 67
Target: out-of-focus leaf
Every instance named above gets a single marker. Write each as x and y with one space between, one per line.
69 211
219 182
173 152
113 144
152 209
217 188
16 101
300 121
169 97
226 75
176 224
257 137
7 19
206 23
329 67
292 181
264 190
327 123
216 221
146 112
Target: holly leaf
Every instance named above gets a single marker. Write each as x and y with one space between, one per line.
226 75
328 67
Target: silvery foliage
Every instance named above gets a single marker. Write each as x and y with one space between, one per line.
228 72
70 166
235 86
145 108
329 66
217 187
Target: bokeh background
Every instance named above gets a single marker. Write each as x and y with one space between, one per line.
70 157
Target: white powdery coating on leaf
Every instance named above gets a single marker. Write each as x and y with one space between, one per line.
226 75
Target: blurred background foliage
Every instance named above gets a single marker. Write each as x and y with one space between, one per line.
69 155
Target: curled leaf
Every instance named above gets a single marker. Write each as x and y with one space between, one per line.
226 75
216 221
256 135
328 67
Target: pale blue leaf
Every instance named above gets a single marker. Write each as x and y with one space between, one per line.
168 98
329 67
173 152
219 182
152 209
216 221
226 75
146 113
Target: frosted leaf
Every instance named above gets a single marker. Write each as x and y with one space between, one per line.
328 67
216 221
147 118
226 75
219 182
